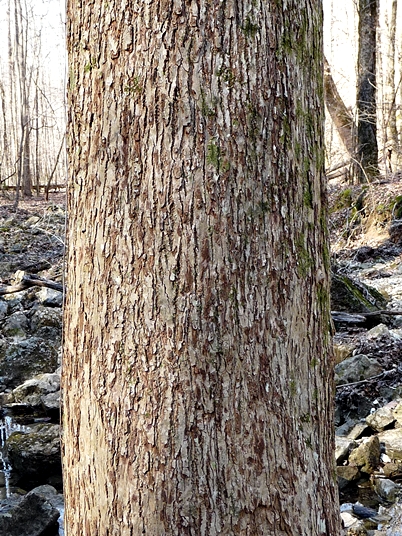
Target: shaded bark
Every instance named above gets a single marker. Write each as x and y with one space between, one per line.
197 373
367 147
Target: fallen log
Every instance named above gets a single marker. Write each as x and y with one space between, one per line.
24 281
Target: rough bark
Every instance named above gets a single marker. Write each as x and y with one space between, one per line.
340 115
367 148
197 375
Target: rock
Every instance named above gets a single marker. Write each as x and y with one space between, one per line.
35 454
364 253
352 296
380 330
46 317
357 430
386 489
392 470
367 455
382 418
347 474
398 413
356 368
33 516
348 520
50 298
33 392
23 360
395 525
3 309
51 402
343 447
392 440
16 325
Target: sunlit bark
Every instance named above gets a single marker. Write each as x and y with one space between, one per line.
197 376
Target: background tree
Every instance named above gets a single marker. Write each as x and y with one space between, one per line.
33 117
367 147
197 376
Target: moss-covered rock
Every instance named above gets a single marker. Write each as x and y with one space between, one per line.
36 454
352 296
22 360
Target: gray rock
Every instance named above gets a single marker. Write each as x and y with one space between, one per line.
367 455
3 309
347 474
16 325
46 317
23 360
386 489
50 297
356 368
395 525
392 440
380 330
35 454
33 516
51 402
33 392
353 296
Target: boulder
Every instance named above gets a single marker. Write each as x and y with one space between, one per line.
352 296
367 455
395 232
32 516
386 489
35 454
392 440
23 360
50 298
34 392
16 325
382 418
47 321
343 447
347 474
356 368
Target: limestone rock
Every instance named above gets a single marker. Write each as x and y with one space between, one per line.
382 418
392 440
367 455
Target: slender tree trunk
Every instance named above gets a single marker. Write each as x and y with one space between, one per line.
391 130
197 375
340 115
367 148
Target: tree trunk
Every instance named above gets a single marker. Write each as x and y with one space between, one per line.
197 373
367 148
340 115
391 130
